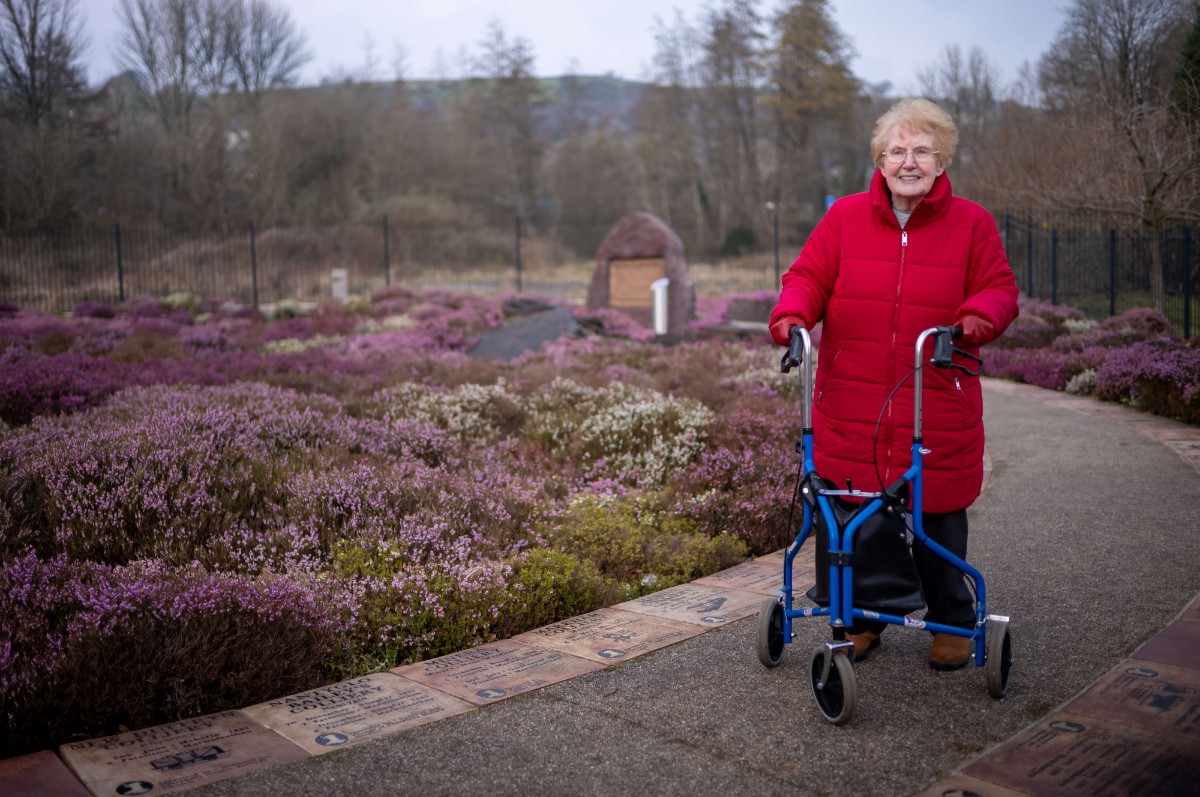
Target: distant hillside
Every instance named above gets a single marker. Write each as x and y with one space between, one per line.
601 98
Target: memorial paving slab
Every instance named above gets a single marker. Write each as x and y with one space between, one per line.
609 635
179 755
1086 534
323 720
496 671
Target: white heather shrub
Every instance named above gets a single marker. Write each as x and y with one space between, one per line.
1083 383
1076 325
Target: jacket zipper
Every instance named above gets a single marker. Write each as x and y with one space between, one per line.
890 437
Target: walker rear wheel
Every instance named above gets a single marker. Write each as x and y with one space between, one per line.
998 657
770 633
837 696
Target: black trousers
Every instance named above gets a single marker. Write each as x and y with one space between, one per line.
948 599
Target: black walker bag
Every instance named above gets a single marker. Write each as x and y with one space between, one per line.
885 575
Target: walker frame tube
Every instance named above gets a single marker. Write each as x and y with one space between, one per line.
841 610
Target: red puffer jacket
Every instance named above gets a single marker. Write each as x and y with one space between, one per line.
877 287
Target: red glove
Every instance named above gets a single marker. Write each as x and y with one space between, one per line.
781 330
976 331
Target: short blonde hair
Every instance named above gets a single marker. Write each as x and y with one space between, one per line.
919 116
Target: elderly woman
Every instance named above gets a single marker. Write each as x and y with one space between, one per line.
881 267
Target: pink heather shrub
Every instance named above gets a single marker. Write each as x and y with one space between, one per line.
1160 376
742 483
1140 323
159 472
33 385
89 648
93 310
1048 368
1038 324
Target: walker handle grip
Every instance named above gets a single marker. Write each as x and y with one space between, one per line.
795 352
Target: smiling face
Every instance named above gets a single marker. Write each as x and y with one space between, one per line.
908 180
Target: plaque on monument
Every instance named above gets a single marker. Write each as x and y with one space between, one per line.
41 774
1176 644
629 281
496 671
692 603
1155 697
609 635
178 755
341 714
765 578
1070 755
639 253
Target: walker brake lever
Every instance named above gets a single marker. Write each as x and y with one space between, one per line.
965 369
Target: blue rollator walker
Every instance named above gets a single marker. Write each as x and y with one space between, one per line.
832 670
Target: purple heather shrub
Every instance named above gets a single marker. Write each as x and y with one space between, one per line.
160 471
33 385
1131 326
85 646
1160 376
742 481
1048 368
93 310
1038 324
206 340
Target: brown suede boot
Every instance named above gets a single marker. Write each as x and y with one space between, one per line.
949 652
864 643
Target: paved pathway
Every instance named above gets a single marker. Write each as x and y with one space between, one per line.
1087 534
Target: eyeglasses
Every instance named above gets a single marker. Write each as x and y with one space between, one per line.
920 154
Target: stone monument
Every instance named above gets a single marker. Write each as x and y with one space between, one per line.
639 251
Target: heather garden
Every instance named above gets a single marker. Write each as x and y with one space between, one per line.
204 507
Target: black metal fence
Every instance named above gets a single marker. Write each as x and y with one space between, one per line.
1074 260
57 270
1105 270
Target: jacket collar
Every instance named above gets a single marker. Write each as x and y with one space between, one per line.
932 207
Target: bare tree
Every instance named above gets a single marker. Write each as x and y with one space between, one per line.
667 143
268 50
730 71
1108 80
40 45
969 87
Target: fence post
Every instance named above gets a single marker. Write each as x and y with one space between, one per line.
120 265
1054 266
1112 271
253 269
775 233
1029 254
1187 282
517 225
387 274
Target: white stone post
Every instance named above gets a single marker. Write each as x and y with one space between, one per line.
659 288
340 281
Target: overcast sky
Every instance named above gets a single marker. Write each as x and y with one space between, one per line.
893 41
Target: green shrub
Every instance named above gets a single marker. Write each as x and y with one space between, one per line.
547 586
630 538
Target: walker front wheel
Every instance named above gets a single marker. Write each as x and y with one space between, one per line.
837 694
998 657
770 641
